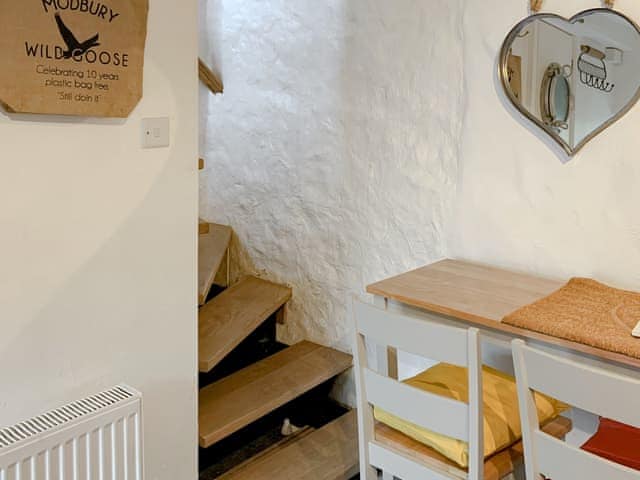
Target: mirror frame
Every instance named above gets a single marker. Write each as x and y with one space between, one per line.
504 78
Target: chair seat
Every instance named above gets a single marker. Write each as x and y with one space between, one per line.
496 467
616 442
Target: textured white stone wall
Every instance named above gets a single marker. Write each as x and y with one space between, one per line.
333 151
357 139
518 204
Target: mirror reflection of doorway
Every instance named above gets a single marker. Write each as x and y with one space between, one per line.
555 98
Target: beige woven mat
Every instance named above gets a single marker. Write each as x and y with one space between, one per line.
585 311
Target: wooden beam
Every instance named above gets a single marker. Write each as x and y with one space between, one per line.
209 78
212 247
203 227
282 314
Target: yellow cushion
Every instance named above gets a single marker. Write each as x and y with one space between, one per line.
501 416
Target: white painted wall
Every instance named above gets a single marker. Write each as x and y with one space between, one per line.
97 278
517 204
332 152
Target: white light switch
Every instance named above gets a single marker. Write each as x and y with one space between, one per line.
155 132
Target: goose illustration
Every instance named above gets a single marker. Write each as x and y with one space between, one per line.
74 47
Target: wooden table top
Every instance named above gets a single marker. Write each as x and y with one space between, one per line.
481 296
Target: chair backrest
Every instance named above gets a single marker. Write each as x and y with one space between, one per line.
435 341
595 390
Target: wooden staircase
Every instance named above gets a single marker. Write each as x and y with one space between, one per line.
233 403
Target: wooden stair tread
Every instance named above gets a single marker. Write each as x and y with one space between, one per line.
239 399
231 316
329 453
212 247
496 467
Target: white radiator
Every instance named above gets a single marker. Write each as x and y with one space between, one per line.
98 437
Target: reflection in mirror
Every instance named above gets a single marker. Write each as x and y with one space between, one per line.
574 77
555 98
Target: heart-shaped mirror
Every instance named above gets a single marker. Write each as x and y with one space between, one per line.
572 78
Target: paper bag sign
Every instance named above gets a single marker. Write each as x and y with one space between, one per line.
72 57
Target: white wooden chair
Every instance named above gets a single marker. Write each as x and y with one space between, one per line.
442 415
595 390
